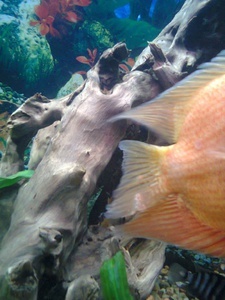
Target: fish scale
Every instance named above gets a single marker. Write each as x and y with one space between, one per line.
176 193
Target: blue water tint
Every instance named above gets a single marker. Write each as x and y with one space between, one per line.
122 12
152 8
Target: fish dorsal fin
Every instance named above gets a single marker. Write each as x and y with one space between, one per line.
166 113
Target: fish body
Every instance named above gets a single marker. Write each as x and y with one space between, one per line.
177 192
203 285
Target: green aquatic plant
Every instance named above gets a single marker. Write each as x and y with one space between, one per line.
26 55
114 279
10 180
93 200
3 131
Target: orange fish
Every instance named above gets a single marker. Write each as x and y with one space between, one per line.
176 193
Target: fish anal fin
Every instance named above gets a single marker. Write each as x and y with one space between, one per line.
172 222
142 184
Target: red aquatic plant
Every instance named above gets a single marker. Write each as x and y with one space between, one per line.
49 12
89 61
67 11
46 14
80 2
127 64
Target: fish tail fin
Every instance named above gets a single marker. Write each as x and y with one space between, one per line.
142 183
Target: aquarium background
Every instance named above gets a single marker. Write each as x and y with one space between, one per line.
48 46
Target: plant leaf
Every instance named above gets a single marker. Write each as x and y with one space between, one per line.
130 62
49 20
81 2
114 279
124 67
44 29
92 200
94 53
54 32
72 17
81 72
83 60
42 10
10 180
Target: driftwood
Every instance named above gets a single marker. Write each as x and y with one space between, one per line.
48 238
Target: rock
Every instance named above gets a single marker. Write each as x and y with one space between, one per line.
75 81
85 287
100 36
25 53
10 99
92 34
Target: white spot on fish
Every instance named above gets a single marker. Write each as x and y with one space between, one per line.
139 203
